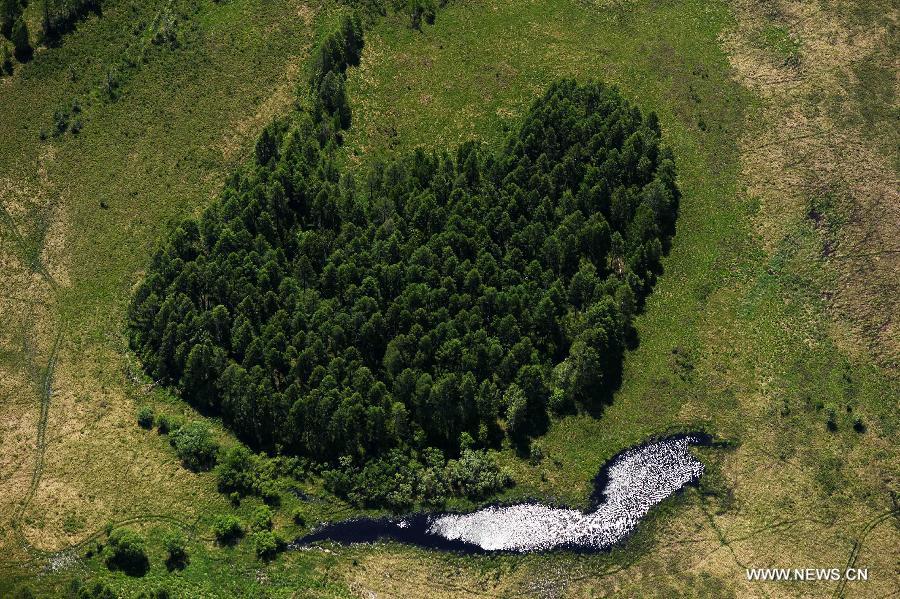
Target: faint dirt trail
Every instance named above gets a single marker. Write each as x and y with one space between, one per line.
44 379
857 545
27 213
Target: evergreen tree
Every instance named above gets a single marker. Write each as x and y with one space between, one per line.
9 14
21 43
6 67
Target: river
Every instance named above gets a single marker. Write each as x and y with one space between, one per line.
626 488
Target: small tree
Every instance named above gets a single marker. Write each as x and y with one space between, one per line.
176 548
9 12
145 417
516 410
352 32
6 66
21 43
227 528
333 99
266 544
47 22
236 471
98 590
415 15
24 592
298 517
166 424
195 446
126 551
831 418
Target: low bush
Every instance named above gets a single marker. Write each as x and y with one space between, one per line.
97 590
165 424
266 544
261 518
298 517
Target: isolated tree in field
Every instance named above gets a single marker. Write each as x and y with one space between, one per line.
126 551
176 550
21 43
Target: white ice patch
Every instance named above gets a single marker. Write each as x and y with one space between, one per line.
639 479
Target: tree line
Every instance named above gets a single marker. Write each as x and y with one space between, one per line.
431 303
418 11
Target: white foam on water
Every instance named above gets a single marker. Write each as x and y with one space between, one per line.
639 479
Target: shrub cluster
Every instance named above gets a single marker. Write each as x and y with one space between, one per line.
261 519
241 472
400 480
418 10
195 446
267 543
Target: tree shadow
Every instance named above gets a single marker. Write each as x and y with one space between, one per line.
178 562
612 382
136 566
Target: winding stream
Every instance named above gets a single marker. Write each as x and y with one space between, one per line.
625 490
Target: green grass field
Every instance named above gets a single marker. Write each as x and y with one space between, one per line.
753 333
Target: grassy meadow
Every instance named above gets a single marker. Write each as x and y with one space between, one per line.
755 332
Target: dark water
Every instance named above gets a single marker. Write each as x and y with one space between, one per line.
627 486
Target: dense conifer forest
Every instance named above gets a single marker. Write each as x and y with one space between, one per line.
327 313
